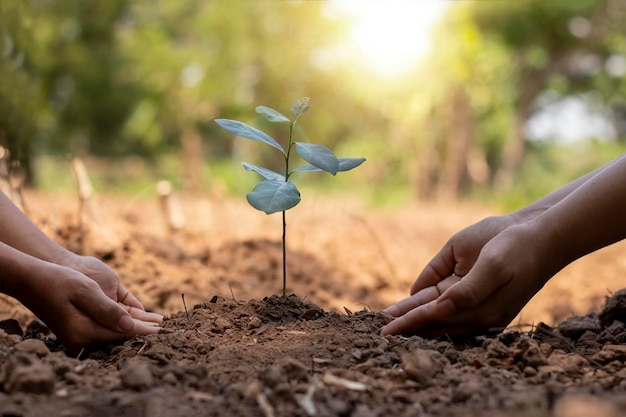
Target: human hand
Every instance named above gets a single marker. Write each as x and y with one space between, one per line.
460 252
77 310
111 285
495 277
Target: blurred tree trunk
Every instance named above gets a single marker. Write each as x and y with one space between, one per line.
458 139
443 156
425 174
533 81
425 177
192 158
513 154
618 113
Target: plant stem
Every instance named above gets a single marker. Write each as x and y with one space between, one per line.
290 144
284 255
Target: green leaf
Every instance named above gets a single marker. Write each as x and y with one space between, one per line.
272 115
346 164
268 174
307 168
300 107
271 196
319 156
248 132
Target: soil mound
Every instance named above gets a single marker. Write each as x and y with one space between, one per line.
285 357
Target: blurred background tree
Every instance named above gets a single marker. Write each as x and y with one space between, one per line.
466 114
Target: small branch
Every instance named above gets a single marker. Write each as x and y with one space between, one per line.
170 207
185 305
85 193
232 294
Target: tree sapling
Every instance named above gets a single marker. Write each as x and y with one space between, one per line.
277 192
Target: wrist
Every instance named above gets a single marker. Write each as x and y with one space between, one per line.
548 245
27 277
527 213
67 259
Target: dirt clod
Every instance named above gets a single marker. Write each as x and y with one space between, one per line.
423 365
136 375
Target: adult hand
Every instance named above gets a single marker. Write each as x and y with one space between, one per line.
477 283
453 261
84 308
112 286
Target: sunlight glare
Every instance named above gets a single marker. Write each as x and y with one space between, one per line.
391 36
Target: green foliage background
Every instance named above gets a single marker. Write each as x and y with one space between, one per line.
135 84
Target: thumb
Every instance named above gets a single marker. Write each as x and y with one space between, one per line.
440 267
471 291
103 310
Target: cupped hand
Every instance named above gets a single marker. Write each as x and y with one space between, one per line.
78 311
459 254
111 285
475 289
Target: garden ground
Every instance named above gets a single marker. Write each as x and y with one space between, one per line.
237 350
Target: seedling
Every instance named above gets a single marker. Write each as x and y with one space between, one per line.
277 193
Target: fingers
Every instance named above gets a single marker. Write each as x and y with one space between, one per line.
441 266
94 303
143 328
426 321
126 297
442 286
413 321
142 315
473 289
421 297
449 306
86 332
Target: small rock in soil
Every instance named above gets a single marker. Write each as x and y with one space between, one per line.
26 373
136 375
35 346
614 309
576 326
423 365
272 375
221 325
296 370
11 326
527 352
610 353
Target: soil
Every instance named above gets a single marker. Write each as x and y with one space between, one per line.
231 346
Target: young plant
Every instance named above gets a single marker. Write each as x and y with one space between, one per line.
277 193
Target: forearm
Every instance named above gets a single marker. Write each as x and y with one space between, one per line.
590 217
19 272
535 209
19 232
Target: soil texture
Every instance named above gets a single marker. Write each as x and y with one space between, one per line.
230 347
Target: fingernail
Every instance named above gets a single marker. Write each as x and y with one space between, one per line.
445 308
126 323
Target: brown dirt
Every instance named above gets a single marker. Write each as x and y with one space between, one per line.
239 350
